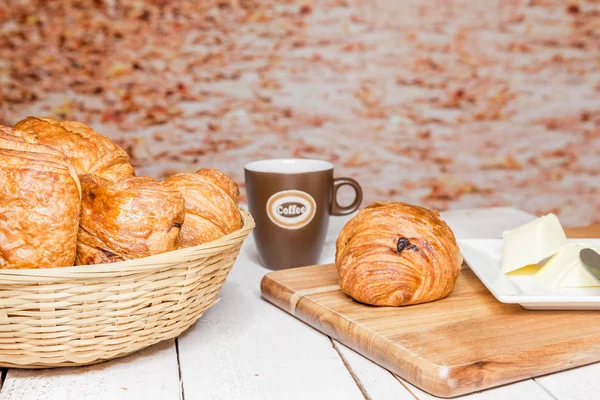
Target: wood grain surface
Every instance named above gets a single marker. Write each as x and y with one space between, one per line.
591 231
464 343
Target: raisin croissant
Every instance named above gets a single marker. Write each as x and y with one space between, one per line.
136 217
211 209
395 254
90 152
39 204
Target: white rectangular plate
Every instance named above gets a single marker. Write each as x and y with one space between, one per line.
484 256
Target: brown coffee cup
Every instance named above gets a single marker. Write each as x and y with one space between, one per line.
291 201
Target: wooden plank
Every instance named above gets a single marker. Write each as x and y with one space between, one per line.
584 231
381 384
578 383
149 374
485 222
525 390
244 348
3 372
378 383
450 347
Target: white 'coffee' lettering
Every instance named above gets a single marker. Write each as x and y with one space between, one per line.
292 209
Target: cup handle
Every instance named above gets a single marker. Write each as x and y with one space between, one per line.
336 209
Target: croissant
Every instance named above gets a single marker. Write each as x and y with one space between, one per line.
135 217
395 254
211 209
39 204
90 152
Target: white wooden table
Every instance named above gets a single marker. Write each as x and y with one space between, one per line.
246 348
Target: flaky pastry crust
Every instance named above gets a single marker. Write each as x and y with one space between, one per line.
39 204
211 209
395 254
136 217
90 152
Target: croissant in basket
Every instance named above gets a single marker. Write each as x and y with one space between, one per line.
90 152
394 254
133 218
211 209
39 204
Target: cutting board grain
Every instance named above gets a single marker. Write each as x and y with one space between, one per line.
466 342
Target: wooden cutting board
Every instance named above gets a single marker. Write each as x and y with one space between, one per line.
464 343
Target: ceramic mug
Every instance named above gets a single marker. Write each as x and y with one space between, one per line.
291 201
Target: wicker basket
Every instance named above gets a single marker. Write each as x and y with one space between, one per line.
87 314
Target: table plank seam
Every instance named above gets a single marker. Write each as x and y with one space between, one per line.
405 386
181 389
545 389
3 373
361 387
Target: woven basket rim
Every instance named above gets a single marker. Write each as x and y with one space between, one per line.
157 261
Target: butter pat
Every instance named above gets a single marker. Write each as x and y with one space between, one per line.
555 270
565 269
578 277
531 243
